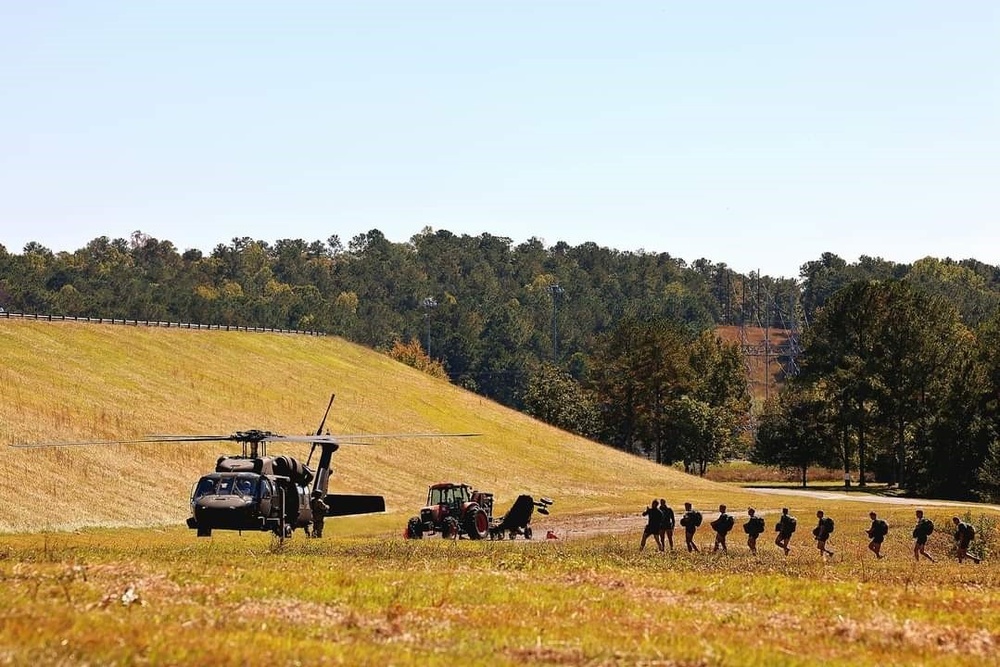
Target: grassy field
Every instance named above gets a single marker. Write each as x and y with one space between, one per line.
136 596
95 568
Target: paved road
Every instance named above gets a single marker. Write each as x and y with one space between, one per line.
871 498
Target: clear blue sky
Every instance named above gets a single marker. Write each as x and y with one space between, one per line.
759 134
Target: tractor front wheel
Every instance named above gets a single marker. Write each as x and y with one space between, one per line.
414 529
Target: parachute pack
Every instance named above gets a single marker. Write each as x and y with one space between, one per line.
928 526
786 524
828 522
755 526
694 519
880 528
724 523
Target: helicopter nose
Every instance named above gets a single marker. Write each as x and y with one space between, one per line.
224 512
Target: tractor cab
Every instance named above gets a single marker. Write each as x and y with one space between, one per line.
448 494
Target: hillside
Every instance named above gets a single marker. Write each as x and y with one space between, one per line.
69 381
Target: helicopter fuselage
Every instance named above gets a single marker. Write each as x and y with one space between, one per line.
242 494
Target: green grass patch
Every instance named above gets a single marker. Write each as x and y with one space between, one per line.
127 597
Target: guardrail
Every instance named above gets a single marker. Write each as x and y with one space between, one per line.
153 323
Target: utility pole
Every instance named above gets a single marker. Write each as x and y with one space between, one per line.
427 304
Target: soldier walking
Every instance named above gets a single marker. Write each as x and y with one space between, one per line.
653 520
877 533
666 524
722 526
691 520
921 532
753 528
822 531
964 534
785 527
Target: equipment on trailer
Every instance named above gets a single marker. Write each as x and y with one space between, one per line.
517 520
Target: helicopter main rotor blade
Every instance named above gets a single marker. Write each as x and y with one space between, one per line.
360 439
136 441
246 436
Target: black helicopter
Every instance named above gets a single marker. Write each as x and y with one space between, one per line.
253 491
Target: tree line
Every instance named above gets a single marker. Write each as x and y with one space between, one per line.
895 385
614 345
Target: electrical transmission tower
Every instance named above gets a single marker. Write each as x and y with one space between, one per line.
769 333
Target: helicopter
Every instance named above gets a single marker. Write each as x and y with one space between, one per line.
254 491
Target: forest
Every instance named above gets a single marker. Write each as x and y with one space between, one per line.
898 365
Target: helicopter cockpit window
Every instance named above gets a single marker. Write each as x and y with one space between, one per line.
225 486
244 486
205 487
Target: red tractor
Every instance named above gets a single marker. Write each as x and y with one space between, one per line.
453 510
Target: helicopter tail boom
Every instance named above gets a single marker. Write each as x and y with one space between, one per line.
341 504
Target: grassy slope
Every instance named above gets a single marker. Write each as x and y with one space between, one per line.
163 596
70 381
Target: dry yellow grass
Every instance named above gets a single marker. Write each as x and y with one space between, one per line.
68 381
163 596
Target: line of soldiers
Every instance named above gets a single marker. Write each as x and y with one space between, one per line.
660 524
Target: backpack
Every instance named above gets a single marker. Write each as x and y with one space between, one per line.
928 526
790 523
881 528
725 523
695 518
970 531
755 526
828 522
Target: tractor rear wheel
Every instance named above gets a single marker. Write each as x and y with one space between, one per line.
477 524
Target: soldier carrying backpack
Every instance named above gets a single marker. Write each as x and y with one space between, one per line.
822 532
785 527
879 529
921 532
722 526
964 534
753 528
690 520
